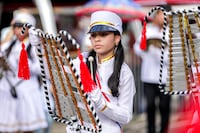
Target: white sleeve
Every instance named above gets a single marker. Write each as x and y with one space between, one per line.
34 62
122 112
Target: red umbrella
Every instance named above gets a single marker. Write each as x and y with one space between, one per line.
89 7
127 9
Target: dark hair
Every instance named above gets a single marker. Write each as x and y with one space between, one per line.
113 81
166 7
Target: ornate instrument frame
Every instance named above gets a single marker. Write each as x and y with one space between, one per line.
72 105
183 51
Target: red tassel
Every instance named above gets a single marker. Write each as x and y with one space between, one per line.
23 68
143 45
87 82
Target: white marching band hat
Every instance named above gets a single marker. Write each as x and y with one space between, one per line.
105 21
20 18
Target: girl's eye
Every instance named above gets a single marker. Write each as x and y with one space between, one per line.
93 35
104 33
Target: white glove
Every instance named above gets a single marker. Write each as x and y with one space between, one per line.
97 97
33 36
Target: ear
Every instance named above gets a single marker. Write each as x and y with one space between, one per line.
117 39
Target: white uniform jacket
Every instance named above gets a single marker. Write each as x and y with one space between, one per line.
150 67
119 110
25 113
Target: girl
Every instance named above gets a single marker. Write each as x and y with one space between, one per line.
150 72
113 96
113 99
21 107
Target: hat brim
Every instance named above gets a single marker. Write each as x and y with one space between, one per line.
101 28
18 24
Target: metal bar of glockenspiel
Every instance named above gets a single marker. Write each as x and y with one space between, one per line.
25 26
46 37
170 51
58 119
54 41
63 120
78 82
192 45
53 52
44 79
177 13
184 51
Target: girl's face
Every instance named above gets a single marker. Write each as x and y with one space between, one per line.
104 43
17 31
159 18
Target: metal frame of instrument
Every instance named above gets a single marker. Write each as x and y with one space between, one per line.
184 51
72 106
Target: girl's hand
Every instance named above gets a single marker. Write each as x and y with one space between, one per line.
98 99
33 36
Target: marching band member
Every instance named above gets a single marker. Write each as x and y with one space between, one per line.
115 87
150 71
113 97
21 105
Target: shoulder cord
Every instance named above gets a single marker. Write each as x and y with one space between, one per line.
8 51
13 87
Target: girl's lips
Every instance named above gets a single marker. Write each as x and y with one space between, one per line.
97 46
21 38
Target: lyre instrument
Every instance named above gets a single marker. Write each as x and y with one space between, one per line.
183 69
72 105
